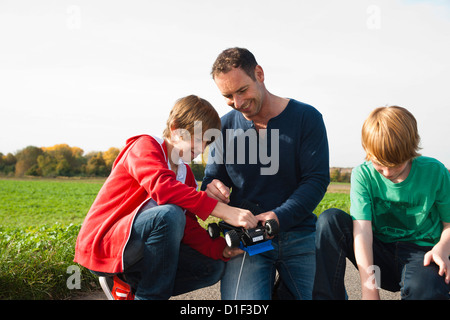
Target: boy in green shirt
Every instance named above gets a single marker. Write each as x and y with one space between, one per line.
398 234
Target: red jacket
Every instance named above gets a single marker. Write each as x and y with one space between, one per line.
140 173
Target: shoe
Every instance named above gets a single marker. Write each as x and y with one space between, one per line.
115 288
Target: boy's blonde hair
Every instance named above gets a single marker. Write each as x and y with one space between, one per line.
189 110
390 136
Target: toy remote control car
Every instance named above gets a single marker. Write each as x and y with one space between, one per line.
253 240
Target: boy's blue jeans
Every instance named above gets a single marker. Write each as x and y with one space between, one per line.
400 263
293 257
157 265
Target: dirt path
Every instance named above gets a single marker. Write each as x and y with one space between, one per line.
339 188
352 284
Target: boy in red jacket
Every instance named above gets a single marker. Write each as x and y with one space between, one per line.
143 226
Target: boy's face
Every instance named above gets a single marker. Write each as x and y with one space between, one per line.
396 174
187 149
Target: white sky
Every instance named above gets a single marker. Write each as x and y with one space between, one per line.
92 73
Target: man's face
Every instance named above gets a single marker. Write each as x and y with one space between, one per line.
242 92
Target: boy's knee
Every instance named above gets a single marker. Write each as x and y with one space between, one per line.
332 217
215 274
426 284
173 217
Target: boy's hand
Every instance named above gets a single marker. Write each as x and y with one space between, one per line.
231 252
217 190
438 256
235 216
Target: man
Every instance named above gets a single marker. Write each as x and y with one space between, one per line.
287 185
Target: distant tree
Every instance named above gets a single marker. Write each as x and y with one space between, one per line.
335 175
2 163
109 156
7 164
58 160
345 177
27 159
77 160
47 165
10 159
64 160
63 168
96 165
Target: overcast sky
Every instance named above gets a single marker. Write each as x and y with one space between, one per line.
93 73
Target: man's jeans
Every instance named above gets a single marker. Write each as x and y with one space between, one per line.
294 258
157 265
400 264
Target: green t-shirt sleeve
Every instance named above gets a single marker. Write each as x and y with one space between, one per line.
443 196
360 198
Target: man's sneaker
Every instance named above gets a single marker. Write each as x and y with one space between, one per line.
115 288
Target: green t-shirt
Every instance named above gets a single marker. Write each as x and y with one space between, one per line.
412 210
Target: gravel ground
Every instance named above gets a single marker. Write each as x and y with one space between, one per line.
352 284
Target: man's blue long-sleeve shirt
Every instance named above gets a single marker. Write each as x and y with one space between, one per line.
285 169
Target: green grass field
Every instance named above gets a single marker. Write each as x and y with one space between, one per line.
39 223
40 202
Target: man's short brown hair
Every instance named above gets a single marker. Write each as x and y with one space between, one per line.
235 58
390 136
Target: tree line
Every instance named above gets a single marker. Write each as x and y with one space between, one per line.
63 160
59 160
66 161
340 174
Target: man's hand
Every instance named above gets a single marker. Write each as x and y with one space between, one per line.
263 217
217 190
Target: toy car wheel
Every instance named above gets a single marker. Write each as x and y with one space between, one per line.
232 239
213 230
272 227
